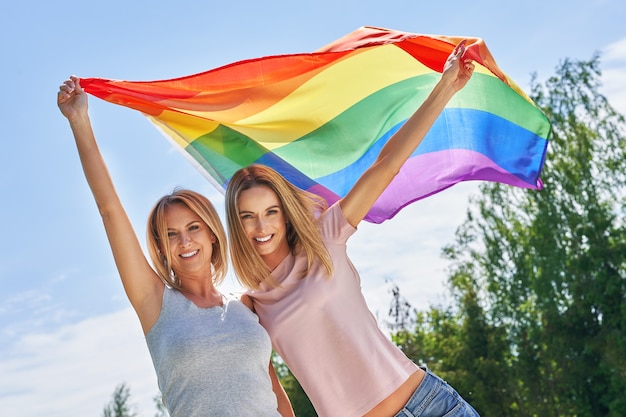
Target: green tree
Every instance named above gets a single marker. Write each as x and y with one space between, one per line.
463 348
119 405
400 311
158 403
550 266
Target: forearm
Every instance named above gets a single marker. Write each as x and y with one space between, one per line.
134 269
142 285
404 142
394 154
284 405
94 167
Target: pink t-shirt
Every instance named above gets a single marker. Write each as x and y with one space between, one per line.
325 333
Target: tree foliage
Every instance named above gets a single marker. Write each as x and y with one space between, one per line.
539 277
158 403
119 405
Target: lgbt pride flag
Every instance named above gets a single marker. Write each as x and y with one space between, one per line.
321 118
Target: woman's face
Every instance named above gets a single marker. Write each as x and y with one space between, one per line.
191 242
264 223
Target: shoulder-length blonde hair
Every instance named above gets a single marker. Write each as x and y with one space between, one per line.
159 245
300 208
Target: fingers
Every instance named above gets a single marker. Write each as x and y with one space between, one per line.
77 85
459 50
458 54
65 93
70 87
67 87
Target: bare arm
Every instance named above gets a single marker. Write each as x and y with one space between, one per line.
284 405
403 143
143 287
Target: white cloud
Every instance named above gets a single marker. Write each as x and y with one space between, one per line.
406 250
614 74
73 371
615 51
614 87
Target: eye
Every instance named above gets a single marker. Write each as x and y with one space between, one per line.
245 216
194 227
171 234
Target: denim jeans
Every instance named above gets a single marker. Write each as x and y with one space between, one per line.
435 398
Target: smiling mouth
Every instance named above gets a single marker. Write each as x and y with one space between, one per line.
263 239
188 254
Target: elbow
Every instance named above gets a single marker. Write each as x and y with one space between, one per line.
386 170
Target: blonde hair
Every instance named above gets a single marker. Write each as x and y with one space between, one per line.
300 208
159 246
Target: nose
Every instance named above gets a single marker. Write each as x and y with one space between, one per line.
260 224
185 239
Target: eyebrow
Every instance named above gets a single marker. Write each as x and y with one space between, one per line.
267 208
187 225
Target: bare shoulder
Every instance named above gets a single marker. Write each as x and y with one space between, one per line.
149 308
247 301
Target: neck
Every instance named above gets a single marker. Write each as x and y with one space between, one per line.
273 260
204 297
199 287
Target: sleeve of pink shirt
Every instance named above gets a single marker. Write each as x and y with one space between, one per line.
335 228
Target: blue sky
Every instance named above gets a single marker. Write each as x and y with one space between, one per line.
67 333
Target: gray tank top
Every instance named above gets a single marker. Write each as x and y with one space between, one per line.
211 361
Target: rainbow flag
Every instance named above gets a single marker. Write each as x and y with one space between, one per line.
321 118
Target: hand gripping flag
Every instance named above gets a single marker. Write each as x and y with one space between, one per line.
321 118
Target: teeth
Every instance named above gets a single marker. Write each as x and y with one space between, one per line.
188 255
263 239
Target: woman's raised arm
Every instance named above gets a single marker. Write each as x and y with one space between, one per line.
457 72
142 285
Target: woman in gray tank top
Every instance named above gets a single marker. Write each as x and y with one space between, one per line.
211 356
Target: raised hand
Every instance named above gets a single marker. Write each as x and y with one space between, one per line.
72 99
458 70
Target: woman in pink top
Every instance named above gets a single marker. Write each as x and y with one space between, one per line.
289 249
